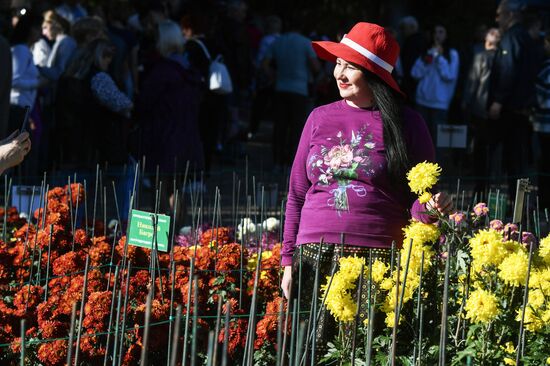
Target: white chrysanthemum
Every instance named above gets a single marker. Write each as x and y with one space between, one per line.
271 224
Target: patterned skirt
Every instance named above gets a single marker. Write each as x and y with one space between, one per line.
303 281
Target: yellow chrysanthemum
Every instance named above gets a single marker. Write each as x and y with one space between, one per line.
338 298
253 260
536 298
535 320
390 319
379 269
263 275
544 249
487 248
540 279
387 284
388 305
425 197
548 361
513 269
415 260
509 348
420 233
350 267
509 361
481 306
422 236
410 288
532 322
512 246
344 309
423 176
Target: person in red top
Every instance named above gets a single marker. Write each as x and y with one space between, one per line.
349 171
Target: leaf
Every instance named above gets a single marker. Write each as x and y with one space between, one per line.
219 280
462 257
405 361
347 173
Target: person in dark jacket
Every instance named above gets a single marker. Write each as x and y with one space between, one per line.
5 85
474 106
167 108
541 126
414 42
213 109
91 110
512 92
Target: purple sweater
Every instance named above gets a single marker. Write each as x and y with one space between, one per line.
339 182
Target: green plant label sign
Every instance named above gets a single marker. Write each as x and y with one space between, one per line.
142 230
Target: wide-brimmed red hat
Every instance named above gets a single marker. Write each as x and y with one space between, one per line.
367 45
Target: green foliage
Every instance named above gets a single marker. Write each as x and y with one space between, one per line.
265 355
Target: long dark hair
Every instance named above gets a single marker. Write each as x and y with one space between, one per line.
390 105
446 43
88 57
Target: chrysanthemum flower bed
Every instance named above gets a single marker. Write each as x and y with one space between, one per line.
493 308
463 290
467 289
42 274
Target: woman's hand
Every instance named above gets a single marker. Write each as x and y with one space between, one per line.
286 281
441 202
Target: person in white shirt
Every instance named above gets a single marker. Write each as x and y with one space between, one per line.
25 76
25 73
41 50
437 72
55 29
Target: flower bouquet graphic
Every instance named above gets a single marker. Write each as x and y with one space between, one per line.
341 164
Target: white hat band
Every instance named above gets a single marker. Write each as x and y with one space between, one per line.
368 54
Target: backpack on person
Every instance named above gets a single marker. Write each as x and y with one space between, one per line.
219 80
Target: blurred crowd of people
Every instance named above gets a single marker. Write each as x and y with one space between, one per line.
127 79
498 86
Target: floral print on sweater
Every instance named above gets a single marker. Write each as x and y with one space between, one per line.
341 164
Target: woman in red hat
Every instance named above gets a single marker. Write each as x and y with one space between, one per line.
347 183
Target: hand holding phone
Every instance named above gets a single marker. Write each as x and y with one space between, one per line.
13 150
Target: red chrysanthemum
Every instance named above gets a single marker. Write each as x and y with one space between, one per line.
53 353
67 264
237 335
266 329
77 193
53 329
97 311
100 251
229 257
221 235
28 297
